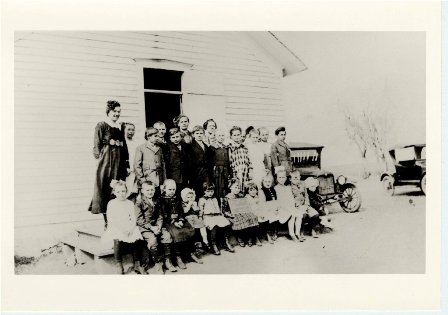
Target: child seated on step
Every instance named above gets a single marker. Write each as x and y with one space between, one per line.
179 228
122 227
316 202
245 224
299 191
287 204
258 210
214 219
194 217
149 222
275 215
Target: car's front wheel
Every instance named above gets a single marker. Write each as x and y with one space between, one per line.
423 184
351 199
388 185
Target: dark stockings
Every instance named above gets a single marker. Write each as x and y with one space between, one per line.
214 235
263 230
105 220
121 247
184 249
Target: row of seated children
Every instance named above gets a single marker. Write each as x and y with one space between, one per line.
179 225
166 221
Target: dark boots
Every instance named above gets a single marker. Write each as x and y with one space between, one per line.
227 246
138 268
120 268
214 249
167 251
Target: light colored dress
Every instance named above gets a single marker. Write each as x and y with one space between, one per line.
191 211
131 179
273 214
212 213
266 148
257 208
287 202
256 156
122 223
302 200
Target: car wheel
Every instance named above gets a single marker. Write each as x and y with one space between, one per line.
388 185
423 184
351 199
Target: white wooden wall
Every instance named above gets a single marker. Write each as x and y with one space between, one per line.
62 83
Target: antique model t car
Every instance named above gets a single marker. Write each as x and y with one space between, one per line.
409 168
307 159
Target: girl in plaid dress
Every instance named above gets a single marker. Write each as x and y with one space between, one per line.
240 163
245 224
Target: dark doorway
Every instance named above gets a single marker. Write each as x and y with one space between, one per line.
161 107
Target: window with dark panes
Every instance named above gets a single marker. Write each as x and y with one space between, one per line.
163 95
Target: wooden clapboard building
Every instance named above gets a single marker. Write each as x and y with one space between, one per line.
62 83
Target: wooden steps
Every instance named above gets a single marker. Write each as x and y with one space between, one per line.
90 232
84 246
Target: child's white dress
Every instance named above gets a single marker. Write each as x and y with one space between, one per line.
287 201
257 209
121 222
191 214
212 213
131 180
302 199
256 155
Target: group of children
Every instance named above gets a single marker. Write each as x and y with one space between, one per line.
179 197
178 228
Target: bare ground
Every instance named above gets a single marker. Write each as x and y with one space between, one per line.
386 236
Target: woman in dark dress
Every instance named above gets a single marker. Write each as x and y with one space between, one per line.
111 155
281 152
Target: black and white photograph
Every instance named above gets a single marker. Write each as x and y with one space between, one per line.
222 156
156 152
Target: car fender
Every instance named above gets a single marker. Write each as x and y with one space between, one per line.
350 180
387 174
347 185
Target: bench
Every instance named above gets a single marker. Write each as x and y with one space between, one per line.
85 245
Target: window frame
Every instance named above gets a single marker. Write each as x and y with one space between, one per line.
163 64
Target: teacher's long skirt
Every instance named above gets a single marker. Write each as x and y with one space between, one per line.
109 167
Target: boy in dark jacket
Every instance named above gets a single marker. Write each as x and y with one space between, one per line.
149 222
177 159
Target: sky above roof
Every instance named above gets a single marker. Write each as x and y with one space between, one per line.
384 71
